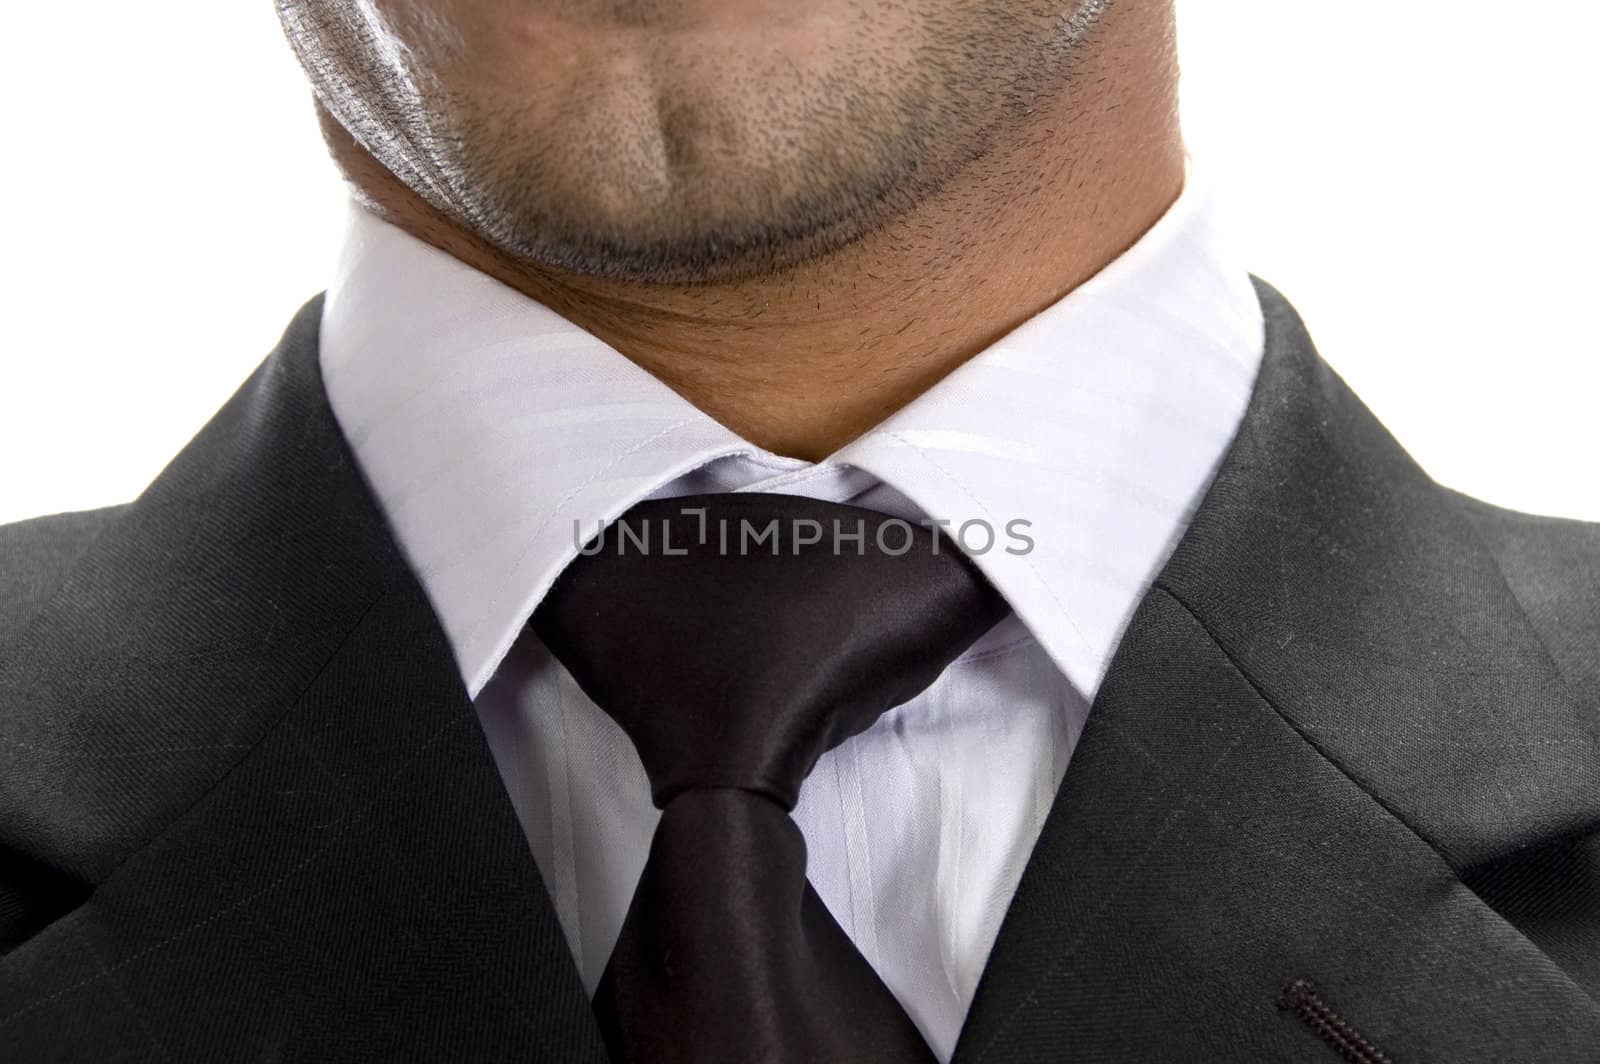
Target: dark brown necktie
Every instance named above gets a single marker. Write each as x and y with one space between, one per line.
735 639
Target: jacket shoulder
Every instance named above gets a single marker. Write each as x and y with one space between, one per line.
1552 566
37 554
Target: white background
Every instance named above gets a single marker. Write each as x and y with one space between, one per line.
1417 177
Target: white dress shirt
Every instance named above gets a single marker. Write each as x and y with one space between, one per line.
497 435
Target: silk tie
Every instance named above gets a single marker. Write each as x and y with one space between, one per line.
735 639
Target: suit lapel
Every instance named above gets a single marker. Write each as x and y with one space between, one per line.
298 843
1327 713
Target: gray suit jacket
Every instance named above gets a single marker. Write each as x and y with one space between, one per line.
1338 796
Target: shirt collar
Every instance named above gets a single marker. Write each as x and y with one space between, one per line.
495 433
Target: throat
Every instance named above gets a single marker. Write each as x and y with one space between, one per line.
804 360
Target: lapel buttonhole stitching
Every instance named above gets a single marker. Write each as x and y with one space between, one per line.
1299 997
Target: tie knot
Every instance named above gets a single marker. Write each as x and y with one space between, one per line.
736 638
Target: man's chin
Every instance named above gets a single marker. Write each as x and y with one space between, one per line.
704 247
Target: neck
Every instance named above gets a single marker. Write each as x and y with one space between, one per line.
802 362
